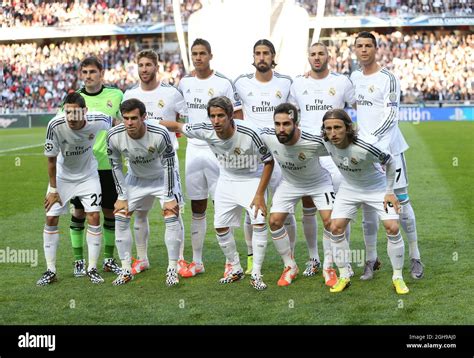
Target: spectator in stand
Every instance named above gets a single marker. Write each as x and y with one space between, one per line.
388 8
36 76
431 66
67 13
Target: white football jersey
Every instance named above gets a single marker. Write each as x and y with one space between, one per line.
240 157
162 103
360 165
150 157
73 148
378 101
299 162
259 99
197 93
314 97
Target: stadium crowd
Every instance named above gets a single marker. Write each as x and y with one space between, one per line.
34 77
68 13
65 13
431 66
386 8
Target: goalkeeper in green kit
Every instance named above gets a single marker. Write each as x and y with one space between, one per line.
106 100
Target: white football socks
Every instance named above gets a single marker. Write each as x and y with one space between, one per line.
396 253
290 225
94 244
248 231
370 226
198 234
141 227
172 240
50 245
340 252
282 244
123 241
310 228
259 247
408 223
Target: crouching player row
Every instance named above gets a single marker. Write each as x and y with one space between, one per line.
151 174
364 182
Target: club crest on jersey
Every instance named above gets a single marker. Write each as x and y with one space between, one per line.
263 150
211 92
151 150
371 89
384 158
237 151
168 149
109 104
91 136
354 161
48 147
332 91
302 156
278 94
109 151
161 103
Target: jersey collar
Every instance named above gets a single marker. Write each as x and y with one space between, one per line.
83 90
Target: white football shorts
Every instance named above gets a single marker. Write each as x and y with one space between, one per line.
286 197
202 172
142 192
88 192
349 201
233 196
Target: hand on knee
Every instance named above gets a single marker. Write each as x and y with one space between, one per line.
336 229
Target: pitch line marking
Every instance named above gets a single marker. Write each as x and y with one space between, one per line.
20 148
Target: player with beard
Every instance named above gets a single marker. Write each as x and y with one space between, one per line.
297 152
162 101
314 94
260 93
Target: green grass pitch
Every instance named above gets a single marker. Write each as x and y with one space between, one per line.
440 167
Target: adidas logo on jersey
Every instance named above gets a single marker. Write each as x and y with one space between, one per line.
305 93
250 94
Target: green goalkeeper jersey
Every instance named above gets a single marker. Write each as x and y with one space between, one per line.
107 101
